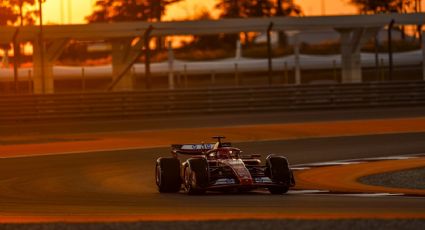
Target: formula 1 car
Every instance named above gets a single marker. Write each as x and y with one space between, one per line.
220 167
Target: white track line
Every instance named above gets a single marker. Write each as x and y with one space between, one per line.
355 161
77 152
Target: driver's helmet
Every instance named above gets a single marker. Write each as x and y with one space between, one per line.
227 153
223 154
234 153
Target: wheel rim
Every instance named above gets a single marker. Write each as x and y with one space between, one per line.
158 175
193 180
187 182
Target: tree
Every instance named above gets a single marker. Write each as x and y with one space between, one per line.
7 15
26 15
13 10
287 8
206 42
258 8
384 6
129 10
231 8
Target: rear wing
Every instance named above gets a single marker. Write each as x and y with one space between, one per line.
194 149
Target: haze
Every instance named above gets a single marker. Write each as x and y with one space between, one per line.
182 10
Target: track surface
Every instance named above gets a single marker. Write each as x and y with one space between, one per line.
120 185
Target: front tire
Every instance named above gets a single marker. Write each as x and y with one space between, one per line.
279 172
196 177
278 190
167 175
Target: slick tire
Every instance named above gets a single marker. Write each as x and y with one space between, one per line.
167 175
278 190
279 172
196 177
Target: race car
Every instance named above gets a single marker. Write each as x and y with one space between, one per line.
220 167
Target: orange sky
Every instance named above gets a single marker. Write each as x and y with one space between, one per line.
54 9
81 8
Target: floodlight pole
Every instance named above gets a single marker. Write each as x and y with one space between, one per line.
42 48
62 10
16 57
269 53
21 15
17 48
147 39
390 51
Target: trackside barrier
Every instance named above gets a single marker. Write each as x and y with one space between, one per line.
206 101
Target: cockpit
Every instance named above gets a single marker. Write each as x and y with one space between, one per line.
224 153
222 150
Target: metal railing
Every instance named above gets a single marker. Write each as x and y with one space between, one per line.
208 101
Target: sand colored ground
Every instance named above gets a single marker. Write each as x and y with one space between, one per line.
55 144
345 178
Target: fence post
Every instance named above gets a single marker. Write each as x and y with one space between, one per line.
30 90
238 54
378 69
297 60
147 37
185 75
286 74
335 71
170 66
423 54
377 66
390 50
213 77
382 74
178 79
270 53
237 83
83 79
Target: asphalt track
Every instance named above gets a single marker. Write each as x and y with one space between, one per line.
119 186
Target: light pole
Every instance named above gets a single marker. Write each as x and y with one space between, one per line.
41 45
323 6
69 12
17 47
21 17
62 12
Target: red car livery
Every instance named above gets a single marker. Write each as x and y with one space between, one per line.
220 167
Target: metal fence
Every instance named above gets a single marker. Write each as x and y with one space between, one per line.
164 103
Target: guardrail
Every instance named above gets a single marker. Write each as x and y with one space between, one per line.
156 103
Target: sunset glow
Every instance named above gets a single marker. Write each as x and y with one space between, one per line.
56 13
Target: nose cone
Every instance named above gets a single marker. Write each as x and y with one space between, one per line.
239 169
246 181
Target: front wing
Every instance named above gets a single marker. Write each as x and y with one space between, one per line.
225 180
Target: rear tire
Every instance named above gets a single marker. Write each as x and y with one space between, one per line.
167 175
278 190
196 178
279 172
